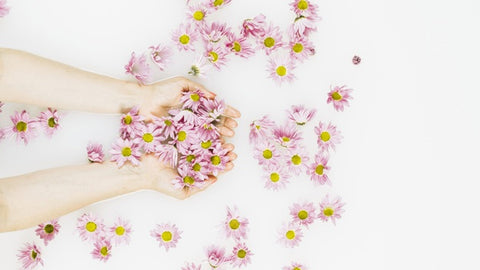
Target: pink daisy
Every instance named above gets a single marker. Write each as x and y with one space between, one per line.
23 127
303 214
266 153
281 69
49 121
184 138
303 26
271 40
239 45
331 209
339 96
30 256
241 255
167 153
216 257
254 27
287 136
208 130
160 55
197 13
125 150
184 116
167 235
300 48
290 235
328 136
121 231
200 67
200 169
95 152
214 32
48 230
212 108
130 123
192 100
191 266
184 37
216 55
297 160
318 170
3 8
301 115
217 4
102 250
304 7
148 137
295 266
261 129
186 179
235 226
276 177
139 68
167 127
90 227
218 159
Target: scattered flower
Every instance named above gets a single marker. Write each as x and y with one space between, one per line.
241 255
103 249
356 60
239 46
167 235
216 256
301 115
254 27
295 266
300 48
125 150
131 122
48 230
139 68
331 209
266 153
160 55
291 235
297 162
90 227
214 33
281 69
303 214
235 226
30 256
303 26
197 13
276 177
318 170
271 40
339 96
200 67
184 37
328 136
216 55
148 137
121 231
261 129
95 152
304 7
287 136
23 127
217 4
49 121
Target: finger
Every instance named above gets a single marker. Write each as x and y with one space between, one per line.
229 147
232 156
228 166
231 112
229 122
225 131
191 85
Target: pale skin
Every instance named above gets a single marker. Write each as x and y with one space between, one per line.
30 199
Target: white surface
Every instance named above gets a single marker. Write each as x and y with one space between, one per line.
406 168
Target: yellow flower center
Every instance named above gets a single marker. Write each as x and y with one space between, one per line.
285 139
267 154
328 211
197 167
302 5
167 123
182 135
198 15
257 127
148 137
237 47
188 180
213 56
184 39
91 226
298 47
48 228
217 3
234 224
336 96
206 145
296 160
167 236
319 169
127 120
274 177
325 136
241 254
51 122
120 230
21 126
190 158
104 251
281 71
195 97
126 151
269 42
296 268
34 254
302 214
215 160
290 235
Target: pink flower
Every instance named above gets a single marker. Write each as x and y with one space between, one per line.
287 136
318 170
281 69
197 13
90 227
266 153
304 7
121 231
185 137
200 67
303 214
216 55
167 154
184 37
48 230
3 8
192 100
254 27
131 122
218 159
301 115
167 235
214 33
271 40
49 121
103 249
212 108
95 152
23 127
125 150
261 129
167 127
160 55
30 256
331 209
235 225
241 255
186 179
290 235
148 137
339 95
303 26
356 60
217 4
139 68
297 162
295 266
300 48
216 256
200 169
191 266
239 45
276 177
328 136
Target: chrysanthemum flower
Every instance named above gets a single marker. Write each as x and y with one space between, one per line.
167 127
192 100
30 256
339 96
216 55
160 55
261 129
217 4
213 108
139 68
241 255
290 235
200 67
184 138
102 250
186 179
23 127
148 137
167 154
48 230
254 27
184 37
239 45
95 152
125 150
276 176
295 266
266 153
208 131
214 33
130 123
120 231
90 227
167 235
318 170
300 48
331 209
191 266
287 136
200 169
216 257
304 7
197 13
218 159
303 214
49 121
297 160
303 26
328 136
271 40
301 115
235 225
281 69
3 8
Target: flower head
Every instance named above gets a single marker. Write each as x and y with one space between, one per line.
295 266
241 255
90 227
301 115
23 127
217 4
318 170
148 137
197 13
266 153
95 152
121 231
328 136
192 100
214 33
297 160
216 55
125 150
304 7
239 45
102 250
281 69
184 37
216 256
200 67
331 209
212 108
191 266
300 48
276 176
339 96
303 214
218 159
139 68
303 26
3 8
290 235
271 40
261 129
235 225
48 230
167 154
30 256
167 235
287 136
49 121
130 123
254 27
160 55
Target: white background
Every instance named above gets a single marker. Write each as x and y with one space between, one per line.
407 167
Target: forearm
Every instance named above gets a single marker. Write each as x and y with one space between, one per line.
30 79
31 199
